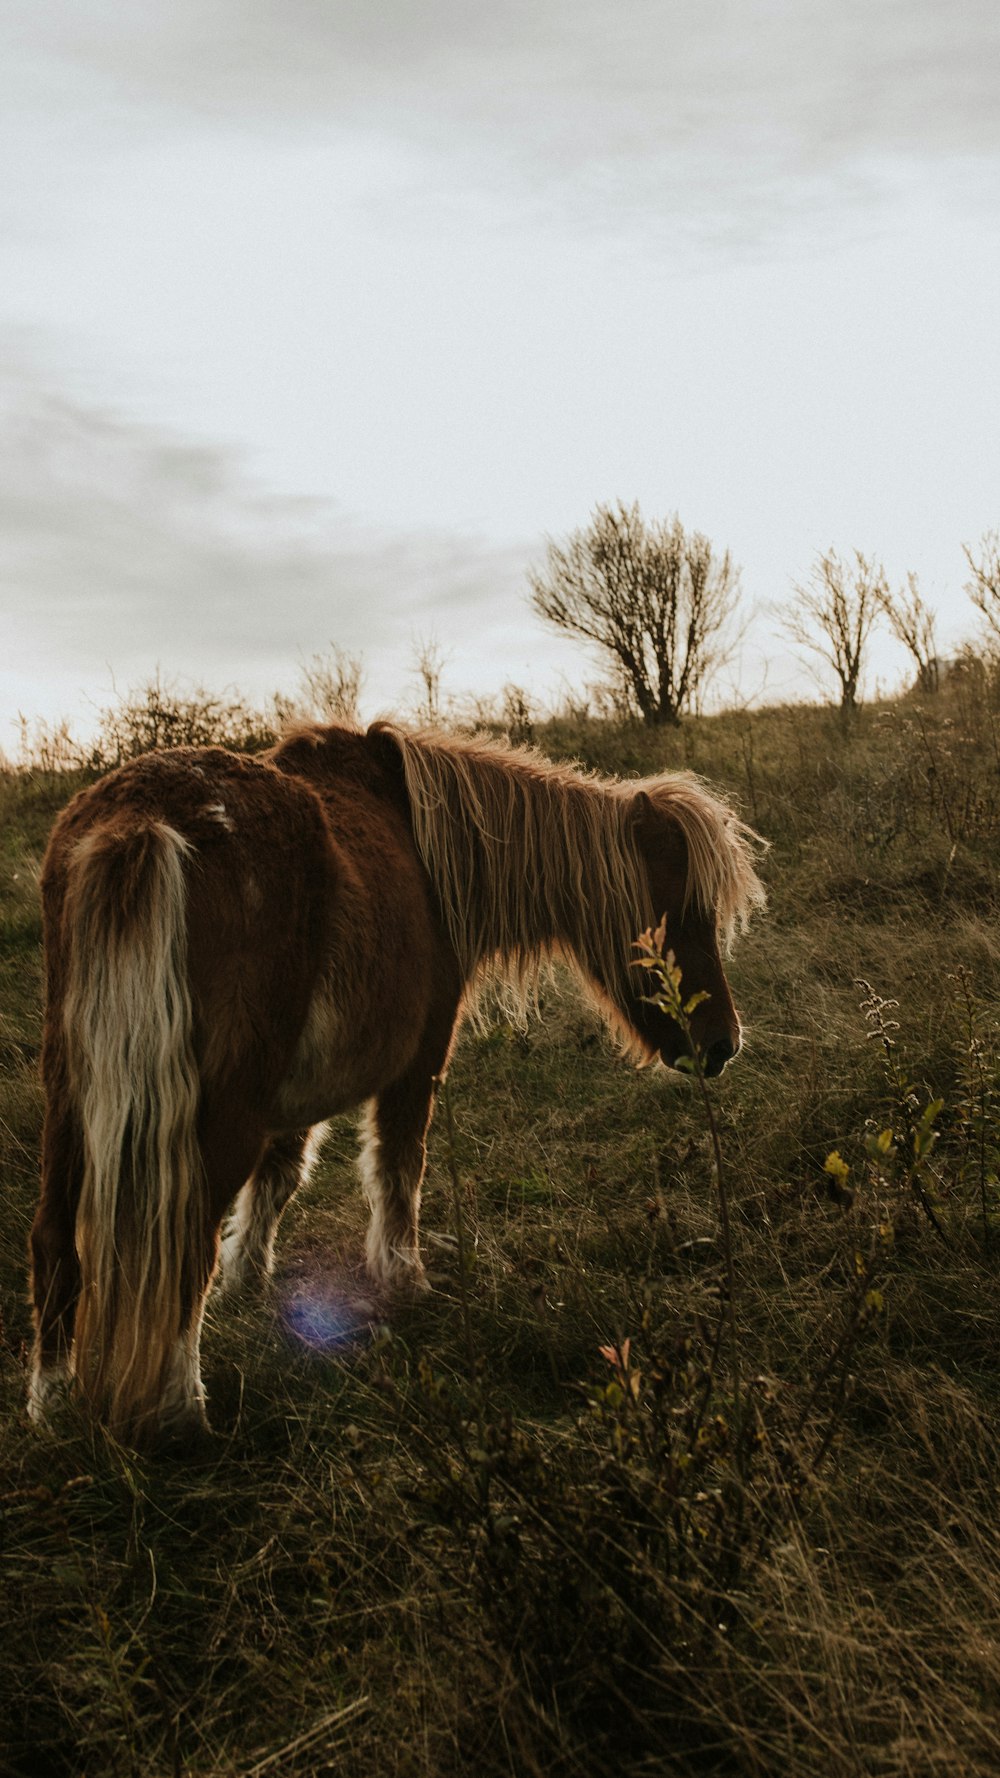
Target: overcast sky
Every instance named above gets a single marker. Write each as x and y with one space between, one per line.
317 316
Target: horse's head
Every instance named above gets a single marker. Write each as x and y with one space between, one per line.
699 866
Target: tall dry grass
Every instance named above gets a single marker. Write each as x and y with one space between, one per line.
532 1525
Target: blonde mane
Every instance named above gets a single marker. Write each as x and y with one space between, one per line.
529 859
720 847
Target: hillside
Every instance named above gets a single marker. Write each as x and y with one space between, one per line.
461 1537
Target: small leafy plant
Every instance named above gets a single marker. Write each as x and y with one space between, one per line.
668 996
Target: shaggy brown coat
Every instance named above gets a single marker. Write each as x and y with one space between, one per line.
237 949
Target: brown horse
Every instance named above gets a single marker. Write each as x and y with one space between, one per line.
236 949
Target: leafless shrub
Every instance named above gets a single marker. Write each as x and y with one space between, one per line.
154 715
913 624
832 615
157 715
984 587
428 667
329 690
518 714
47 746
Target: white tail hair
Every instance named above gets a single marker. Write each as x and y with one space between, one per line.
134 1082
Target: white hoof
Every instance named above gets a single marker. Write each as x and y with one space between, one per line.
48 1395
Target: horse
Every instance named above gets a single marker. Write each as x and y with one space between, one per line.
237 948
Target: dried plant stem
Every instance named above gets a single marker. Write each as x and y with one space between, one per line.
460 1233
670 999
722 1187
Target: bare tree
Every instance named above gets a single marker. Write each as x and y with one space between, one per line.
833 614
428 666
656 600
984 587
912 623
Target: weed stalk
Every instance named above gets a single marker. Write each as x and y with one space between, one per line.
669 998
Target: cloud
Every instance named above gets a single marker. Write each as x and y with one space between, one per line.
123 549
739 117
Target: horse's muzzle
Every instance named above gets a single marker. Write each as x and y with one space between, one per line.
720 1052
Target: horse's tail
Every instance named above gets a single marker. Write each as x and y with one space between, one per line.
134 1084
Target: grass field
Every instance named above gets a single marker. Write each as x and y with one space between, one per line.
458 1536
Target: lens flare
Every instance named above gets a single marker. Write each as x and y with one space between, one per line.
324 1317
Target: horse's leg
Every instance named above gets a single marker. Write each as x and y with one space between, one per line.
182 1405
392 1160
247 1252
230 1146
55 1270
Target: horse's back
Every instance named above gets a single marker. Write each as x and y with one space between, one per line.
358 779
307 906
392 972
260 876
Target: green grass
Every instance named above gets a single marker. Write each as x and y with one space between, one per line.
467 1541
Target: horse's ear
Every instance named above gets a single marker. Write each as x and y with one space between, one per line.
657 833
384 746
647 822
298 746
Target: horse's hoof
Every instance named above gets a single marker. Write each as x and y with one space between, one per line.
239 1284
402 1278
191 1442
49 1398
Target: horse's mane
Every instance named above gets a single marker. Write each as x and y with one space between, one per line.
520 850
720 848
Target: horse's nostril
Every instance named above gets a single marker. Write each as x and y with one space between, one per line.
718 1054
